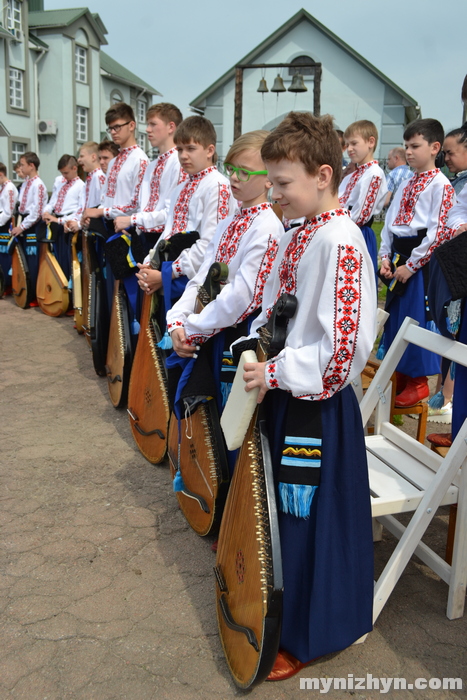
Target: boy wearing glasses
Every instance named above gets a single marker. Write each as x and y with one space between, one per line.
198 204
162 176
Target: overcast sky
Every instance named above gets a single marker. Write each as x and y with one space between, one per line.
180 48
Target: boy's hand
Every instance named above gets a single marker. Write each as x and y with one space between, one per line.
16 231
180 345
385 269
402 274
461 229
122 222
72 225
253 376
148 279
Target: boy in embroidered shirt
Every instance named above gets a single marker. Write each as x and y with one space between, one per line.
328 589
415 225
33 198
108 150
198 204
8 199
91 193
364 191
162 176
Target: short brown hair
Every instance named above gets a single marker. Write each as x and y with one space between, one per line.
166 111
66 160
363 128
120 110
90 146
197 129
311 140
252 139
3 168
30 158
107 145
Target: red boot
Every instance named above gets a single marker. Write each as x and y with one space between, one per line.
285 666
416 390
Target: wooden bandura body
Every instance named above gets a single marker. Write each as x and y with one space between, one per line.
119 349
148 402
95 315
248 565
201 454
21 285
77 286
52 286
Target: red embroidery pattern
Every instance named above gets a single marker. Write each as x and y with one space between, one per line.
370 200
24 197
443 233
263 273
232 235
156 180
116 167
133 205
354 178
271 380
42 199
223 202
180 217
410 195
62 194
182 176
11 196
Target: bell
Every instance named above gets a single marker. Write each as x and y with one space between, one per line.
262 86
278 85
298 84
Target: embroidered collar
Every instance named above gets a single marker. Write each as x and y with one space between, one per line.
201 174
326 216
361 168
426 174
255 209
128 149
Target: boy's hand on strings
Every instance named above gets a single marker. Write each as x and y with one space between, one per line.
253 376
180 345
148 279
385 269
402 274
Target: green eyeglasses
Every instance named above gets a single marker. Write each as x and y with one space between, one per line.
242 174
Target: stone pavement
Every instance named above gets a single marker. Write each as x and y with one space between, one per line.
105 593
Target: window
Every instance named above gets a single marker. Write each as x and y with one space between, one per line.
14 15
142 141
16 88
17 150
115 97
141 111
303 70
80 64
81 124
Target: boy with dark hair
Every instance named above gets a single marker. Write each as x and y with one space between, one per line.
162 176
8 199
107 151
198 204
310 406
363 192
415 225
33 198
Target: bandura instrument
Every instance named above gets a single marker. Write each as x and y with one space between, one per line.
21 285
198 448
148 403
248 567
119 349
77 286
52 286
95 315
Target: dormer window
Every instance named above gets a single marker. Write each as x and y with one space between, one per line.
14 16
298 67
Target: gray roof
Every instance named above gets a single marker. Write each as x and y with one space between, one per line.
292 22
37 42
63 18
123 75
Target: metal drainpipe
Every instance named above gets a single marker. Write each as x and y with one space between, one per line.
36 84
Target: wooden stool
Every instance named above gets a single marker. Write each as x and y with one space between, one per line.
420 409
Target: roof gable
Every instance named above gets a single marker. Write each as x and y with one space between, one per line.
121 74
49 19
281 31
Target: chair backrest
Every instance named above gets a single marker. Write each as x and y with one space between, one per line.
409 332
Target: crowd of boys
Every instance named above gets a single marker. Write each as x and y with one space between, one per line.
329 263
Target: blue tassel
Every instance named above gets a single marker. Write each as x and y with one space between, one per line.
80 256
135 327
296 499
178 484
166 342
431 326
226 388
437 401
380 353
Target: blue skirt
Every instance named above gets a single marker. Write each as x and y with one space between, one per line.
415 362
327 558
459 404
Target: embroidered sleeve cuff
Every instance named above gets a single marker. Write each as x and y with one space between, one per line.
270 371
107 212
384 256
177 269
412 266
172 326
133 220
